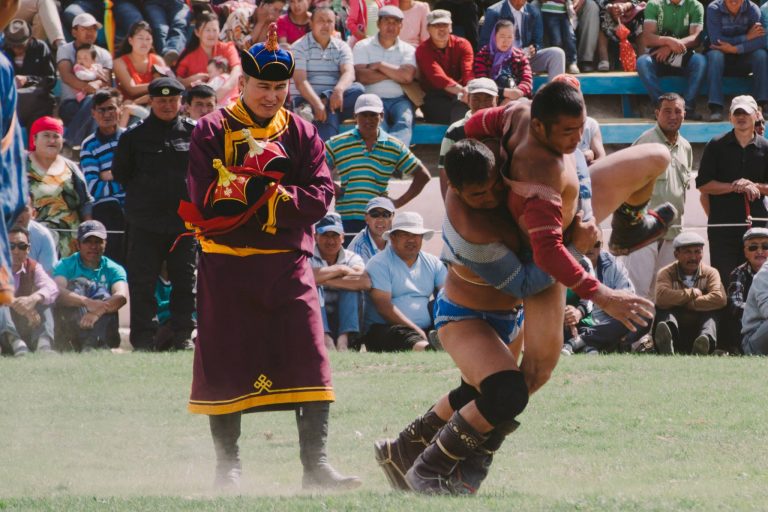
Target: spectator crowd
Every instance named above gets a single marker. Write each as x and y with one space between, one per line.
109 100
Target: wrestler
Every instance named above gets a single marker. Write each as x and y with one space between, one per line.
258 181
13 175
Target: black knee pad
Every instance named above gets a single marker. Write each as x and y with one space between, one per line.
503 396
462 395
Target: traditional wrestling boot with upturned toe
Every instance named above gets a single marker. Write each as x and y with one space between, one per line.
396 456
431 472
312 420
633 227
225 430
472 471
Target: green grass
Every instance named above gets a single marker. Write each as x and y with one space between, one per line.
111 432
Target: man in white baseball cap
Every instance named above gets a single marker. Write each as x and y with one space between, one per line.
403 281
378 219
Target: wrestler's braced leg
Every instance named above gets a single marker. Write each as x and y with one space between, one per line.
633 228
225 430
312 421
472 471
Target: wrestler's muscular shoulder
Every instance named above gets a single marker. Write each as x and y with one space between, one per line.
481 226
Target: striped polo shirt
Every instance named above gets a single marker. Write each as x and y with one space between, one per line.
96 154
363 174
323 65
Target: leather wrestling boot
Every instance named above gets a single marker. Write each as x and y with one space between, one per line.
431 472
633 228
472 471
225 429
312 420
396 456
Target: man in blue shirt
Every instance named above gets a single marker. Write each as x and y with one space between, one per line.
92 288
378 220
403 280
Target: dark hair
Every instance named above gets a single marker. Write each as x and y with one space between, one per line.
90 49
125 46
554 100
194 41
19 229
199 91
323 8
221 63
255 16
469 161
669 96
104 95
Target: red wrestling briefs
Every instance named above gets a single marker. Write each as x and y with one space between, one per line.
540 208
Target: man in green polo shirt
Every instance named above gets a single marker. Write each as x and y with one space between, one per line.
671 30
644 264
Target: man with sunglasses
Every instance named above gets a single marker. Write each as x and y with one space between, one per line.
739 284
689 297
378 219
27 324
754 324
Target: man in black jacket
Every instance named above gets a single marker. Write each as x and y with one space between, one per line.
151 164
35 75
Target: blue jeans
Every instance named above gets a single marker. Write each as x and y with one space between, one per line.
169 20
78 121
330 127
721 64
649 70
124 13
16 326
398 118
560 33
343 316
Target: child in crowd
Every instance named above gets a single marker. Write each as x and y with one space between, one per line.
218 74
86 68
557 16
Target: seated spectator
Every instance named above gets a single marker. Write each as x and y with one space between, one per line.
199 101
383 64
739 283
77 114
124 13
591 143
506 65
192 67
294 24
403 280
57 186
587 33
378 220
27 324
596 331
43 16
689 297
43 245
96 157
482 93
136 64
364 159
671 30
35 74
557 15
323 90
361 17
415 13
737 46
754 330
614 14
529 36
92 288
169 20
247 25
466 16
445 64
340 277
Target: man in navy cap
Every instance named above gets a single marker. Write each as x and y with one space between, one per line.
260 343
151 164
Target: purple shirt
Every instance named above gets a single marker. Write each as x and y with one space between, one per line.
44 285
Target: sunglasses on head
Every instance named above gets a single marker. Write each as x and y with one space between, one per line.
753 248
383 214
22 246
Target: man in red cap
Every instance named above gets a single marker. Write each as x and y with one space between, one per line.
260 335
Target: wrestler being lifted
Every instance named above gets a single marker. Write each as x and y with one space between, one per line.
544 192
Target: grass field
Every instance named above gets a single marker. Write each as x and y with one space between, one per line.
111 432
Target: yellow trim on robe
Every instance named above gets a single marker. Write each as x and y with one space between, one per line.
209 246
250 401
270 225
235 143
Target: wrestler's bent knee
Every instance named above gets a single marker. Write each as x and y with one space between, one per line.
503 396
462 395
